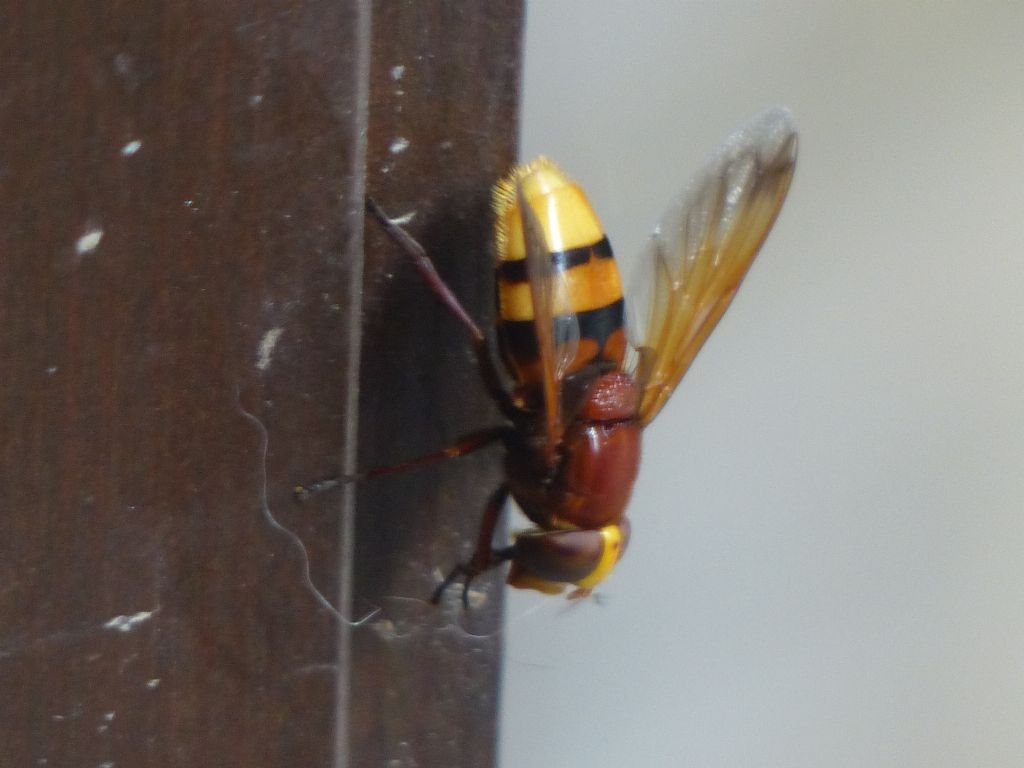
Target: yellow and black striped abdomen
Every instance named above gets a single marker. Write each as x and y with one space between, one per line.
585 286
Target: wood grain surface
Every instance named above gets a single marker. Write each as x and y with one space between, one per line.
182 243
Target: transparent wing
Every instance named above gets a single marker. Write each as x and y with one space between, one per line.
556 330
702 249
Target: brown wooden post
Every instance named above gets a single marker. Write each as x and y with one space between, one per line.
181 241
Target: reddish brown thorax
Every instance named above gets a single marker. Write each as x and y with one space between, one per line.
602 454
600 460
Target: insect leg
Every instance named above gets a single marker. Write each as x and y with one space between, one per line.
468 444
425 266
484 556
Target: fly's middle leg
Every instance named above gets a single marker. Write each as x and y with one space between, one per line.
468 444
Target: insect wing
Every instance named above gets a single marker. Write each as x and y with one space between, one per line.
557 333
701 250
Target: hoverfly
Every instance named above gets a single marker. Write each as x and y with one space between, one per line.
582 391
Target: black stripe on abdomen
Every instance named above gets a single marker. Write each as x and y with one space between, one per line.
515 271
599 324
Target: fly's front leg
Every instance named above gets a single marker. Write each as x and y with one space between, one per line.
484 556
425 266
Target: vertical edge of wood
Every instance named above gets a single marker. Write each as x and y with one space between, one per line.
354 327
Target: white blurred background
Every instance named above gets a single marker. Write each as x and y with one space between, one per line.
827 563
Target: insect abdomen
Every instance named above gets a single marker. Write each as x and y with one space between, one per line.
587 290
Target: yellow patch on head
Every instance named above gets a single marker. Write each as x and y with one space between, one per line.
527 581
613 543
